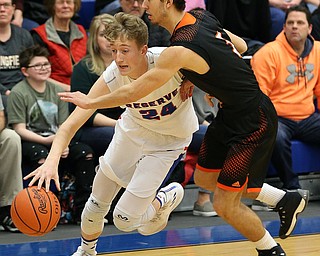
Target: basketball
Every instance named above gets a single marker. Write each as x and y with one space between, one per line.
35 212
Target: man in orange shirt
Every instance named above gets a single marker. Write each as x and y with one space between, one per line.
287 70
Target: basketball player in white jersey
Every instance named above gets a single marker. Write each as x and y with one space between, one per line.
150 135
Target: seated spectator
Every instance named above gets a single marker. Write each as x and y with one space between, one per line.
30 14
98 130
18 13
158 36
65 40
287 70
10 171
99 5
13 40
35 112
315 20
244 18
278 9
106 6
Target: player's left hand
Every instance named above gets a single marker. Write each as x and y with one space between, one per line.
186 89
78 98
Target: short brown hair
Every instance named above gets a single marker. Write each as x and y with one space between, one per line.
28 54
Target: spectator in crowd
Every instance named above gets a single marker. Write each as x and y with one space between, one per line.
244 18
98 130
65 40
35 112
278 9
315 20
18 13
13 40
158 36
288 72
105 6
30 14
10 171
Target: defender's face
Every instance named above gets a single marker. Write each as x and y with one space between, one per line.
155 10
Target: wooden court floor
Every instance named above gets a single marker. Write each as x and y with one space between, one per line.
217 240
306 245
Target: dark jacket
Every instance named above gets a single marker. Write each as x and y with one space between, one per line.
245 18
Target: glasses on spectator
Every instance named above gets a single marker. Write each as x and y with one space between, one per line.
133 1
6 5
68 2
40 66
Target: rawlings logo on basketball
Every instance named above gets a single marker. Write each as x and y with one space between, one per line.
42 201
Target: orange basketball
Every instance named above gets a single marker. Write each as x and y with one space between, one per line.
35 212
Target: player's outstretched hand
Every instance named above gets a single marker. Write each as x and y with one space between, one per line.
44 173
186 89
78 98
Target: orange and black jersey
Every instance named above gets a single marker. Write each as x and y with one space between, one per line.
229 79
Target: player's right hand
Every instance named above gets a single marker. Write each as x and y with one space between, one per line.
44 174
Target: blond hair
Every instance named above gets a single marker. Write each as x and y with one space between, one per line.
128 27
94 60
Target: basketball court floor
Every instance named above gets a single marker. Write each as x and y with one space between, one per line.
185 235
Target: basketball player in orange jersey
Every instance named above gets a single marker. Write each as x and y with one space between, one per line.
237 147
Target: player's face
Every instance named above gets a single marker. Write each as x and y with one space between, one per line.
130 59
297 27
39 69
155 10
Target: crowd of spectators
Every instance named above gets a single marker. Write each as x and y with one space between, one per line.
72 59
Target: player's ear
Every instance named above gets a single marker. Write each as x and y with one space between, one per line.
169 3
144 49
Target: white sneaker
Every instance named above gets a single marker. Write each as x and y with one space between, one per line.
172 195
81 252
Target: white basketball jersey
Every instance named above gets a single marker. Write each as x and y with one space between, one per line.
161 111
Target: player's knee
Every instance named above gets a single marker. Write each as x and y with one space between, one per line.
125 221
92 218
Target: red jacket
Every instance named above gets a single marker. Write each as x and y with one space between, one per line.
62 58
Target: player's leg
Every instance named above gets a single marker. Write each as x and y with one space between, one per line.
141 205
133 212
92 219
288 203
152 213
